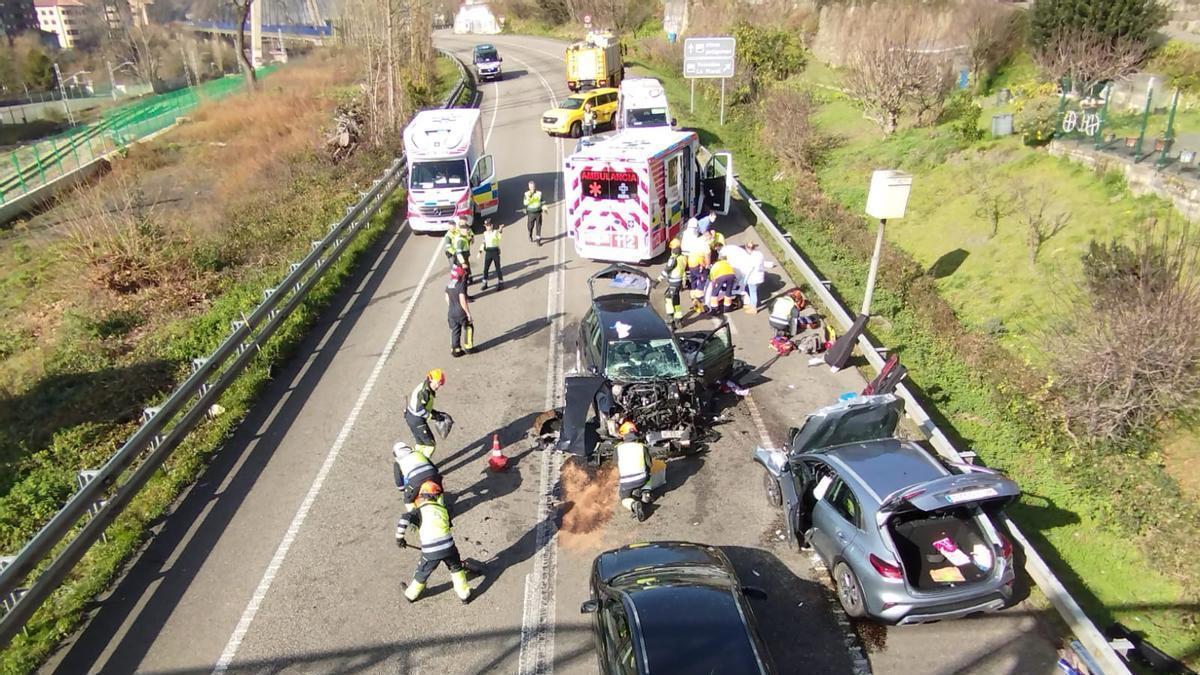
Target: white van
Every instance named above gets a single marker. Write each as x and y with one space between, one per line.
449 175
628 194
642 103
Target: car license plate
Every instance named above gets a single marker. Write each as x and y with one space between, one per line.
671 434
971 495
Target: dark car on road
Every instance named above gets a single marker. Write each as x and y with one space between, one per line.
909 538
673 607
487 62
630 366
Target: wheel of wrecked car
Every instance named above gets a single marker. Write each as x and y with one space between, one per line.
771 487
849 591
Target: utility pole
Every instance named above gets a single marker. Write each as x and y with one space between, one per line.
256 43
62 90
391 69
112 81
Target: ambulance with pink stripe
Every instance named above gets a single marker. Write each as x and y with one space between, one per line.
628 194
449 174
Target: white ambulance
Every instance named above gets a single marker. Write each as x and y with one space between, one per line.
642 103
628 194
449 176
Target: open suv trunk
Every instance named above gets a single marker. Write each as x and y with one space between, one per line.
939 532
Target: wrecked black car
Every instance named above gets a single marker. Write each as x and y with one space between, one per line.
631 366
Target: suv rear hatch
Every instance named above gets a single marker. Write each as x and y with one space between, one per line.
938 531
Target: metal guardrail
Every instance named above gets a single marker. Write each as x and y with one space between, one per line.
166 425
1083 628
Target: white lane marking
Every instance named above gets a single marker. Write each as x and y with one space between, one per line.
264 584
537 613
755 415
487 139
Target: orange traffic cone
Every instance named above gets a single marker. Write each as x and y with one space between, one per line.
497 462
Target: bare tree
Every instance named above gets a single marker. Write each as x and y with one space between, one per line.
896 61
242 8
622 16
995 201
1041 222
1086 57
1128 356
993 33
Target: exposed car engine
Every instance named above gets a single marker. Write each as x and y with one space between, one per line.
669 409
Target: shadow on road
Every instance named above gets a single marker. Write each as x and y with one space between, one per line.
149 593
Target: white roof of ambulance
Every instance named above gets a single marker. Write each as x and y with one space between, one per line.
440 133
643 92
633 144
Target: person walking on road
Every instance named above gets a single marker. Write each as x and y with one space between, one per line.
458 246
410 469
633 468
491 253
437 545
420 411
458 313
674 274
533 212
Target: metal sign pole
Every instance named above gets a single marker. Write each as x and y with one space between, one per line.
692 106
866 306
722 101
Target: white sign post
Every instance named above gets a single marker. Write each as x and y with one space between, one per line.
709 57
887 198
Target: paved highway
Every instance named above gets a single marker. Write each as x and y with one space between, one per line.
282 557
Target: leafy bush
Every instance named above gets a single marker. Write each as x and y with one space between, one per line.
1180 62
1112 19
771 54
1037 121
964 114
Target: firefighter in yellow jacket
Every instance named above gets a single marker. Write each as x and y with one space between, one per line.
437 545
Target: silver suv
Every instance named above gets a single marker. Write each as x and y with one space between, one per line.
908 538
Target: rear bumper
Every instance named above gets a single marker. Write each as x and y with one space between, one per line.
905 611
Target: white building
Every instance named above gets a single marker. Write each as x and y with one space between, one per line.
64 18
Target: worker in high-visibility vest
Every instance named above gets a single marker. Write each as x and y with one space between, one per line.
721 280
410 469
491 253
633 469
437 545
674 273
533 212
420 411
697 276
785 314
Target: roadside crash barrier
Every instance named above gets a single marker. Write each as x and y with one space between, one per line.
28 578
1104 660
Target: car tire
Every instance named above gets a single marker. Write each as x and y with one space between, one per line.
576 130
772 489
849 591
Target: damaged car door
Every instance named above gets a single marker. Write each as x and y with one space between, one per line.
709 355
580 395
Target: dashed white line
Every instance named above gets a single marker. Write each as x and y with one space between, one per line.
264 584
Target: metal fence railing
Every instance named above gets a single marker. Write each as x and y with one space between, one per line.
33 166
1103 657
39 568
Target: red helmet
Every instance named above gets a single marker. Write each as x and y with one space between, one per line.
457 272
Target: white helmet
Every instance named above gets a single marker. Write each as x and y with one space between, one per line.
401 450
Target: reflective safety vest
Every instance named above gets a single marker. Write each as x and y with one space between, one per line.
718 240
633 466
420 402
462 242
491 239
436 539
721 268
781 309
416 468
676 267
533 201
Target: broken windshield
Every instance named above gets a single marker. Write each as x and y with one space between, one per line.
644 360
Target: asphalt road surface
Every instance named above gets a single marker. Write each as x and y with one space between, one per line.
282 558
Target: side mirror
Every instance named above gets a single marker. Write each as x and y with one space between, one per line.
499 59
674 122
589 607
754 592
700 372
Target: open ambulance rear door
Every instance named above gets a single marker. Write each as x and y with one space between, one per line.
718 181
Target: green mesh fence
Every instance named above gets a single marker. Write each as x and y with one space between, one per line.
32 166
